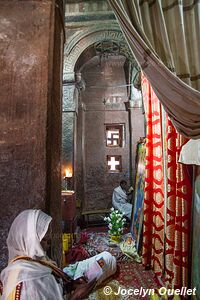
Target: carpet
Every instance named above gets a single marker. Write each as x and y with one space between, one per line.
99 241
101 294
129 278
130 274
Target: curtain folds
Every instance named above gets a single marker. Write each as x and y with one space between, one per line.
153 227
163 36
179 200
166 236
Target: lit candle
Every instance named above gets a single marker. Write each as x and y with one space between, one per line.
68 173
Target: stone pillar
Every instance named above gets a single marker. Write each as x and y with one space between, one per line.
80 165
30 112
69 124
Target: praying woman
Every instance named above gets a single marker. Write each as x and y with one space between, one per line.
31 275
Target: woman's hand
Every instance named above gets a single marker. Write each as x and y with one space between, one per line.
83 290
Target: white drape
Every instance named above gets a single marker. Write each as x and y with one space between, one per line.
190 153
37 281
26 232
80 268
24 238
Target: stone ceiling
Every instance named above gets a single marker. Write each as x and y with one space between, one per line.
87 13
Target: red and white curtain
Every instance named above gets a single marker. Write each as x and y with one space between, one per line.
153 227
167 203
179 200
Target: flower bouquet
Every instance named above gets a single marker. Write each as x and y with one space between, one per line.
116 223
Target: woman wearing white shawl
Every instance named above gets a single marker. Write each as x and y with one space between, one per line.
29 273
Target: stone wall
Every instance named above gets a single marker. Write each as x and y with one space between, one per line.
103 102
29 112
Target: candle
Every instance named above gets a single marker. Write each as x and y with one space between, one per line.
68 173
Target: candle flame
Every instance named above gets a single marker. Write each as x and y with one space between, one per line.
68 173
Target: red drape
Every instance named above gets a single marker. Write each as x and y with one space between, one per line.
168 257
153 228
179 199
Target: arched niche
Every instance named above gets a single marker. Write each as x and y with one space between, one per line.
80 41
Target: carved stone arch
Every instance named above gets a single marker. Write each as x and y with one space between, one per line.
79 35
81 41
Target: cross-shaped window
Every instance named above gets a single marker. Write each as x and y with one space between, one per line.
114 163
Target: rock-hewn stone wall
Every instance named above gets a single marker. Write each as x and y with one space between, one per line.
30 112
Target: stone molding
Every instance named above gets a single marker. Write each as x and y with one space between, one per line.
68 98
87 37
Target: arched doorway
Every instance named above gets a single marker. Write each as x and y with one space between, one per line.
98 70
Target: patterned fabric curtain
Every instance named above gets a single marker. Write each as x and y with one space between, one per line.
168 255
179 199
153 227
164 38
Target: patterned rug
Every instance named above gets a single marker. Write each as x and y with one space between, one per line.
130 274
130 277
99 241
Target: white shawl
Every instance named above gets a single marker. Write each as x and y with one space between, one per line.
24 239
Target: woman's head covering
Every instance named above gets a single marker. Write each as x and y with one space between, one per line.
26 233
24 239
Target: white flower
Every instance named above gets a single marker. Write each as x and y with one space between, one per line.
124 219
115 219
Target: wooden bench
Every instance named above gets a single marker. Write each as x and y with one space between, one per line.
87 213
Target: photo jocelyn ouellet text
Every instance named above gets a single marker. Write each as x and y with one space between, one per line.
184 291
